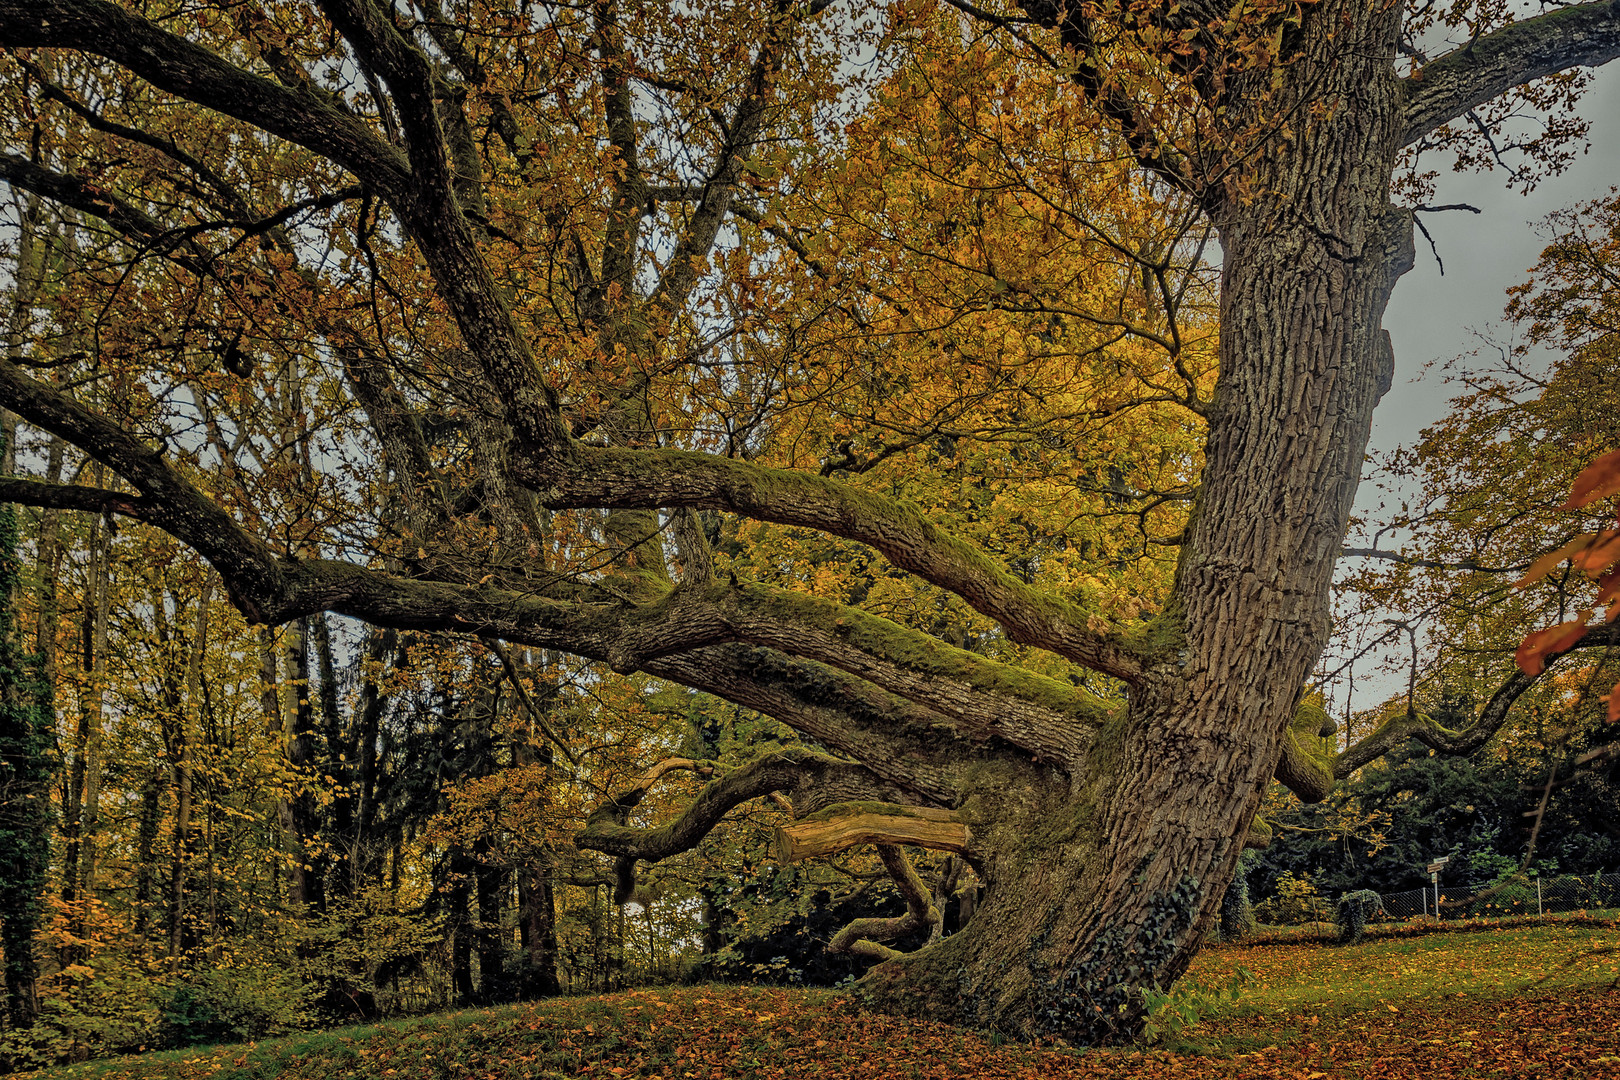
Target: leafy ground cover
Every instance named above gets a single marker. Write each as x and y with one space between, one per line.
1537 1001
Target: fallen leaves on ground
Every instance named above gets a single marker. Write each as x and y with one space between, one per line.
1565 1021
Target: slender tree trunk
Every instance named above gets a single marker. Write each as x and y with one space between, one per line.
537 905
492 889
459 922
146 833
305 809
82 812
340 824
180 755
25 818
538 912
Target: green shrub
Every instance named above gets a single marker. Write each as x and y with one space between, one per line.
232 1004
89 1011
1355 908
1517 898
1237 913
1296 902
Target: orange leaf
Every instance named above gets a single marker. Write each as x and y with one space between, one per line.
1598 479
1609 593
1534 650
1603 553
1544 565
1614 704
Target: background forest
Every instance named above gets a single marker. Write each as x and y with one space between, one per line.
211 830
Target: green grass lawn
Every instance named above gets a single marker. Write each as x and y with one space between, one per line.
1402 969
1534 1001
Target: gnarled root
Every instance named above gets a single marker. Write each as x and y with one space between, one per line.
863 937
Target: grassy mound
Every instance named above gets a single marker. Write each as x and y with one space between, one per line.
1536 1001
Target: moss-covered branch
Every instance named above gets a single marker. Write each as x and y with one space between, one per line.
795 770
830 834
1306 765
613 477
1584 35
1052 720
1415 725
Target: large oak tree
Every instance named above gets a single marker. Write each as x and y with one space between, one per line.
604 199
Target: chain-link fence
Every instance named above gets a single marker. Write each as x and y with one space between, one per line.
1521 896
1406 905
1538 896
1592 893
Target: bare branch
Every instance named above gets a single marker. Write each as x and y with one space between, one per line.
1431 564
410 78
1490 720
91 500
249 567
171 63
535 712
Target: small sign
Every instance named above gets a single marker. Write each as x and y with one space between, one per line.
1434 867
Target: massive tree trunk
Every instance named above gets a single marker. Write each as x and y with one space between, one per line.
1125 873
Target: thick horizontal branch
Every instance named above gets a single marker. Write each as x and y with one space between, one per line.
607 831
91 500
1304 767
841 831
1585 35
912 749
1052 720
920 748
645 479
945 705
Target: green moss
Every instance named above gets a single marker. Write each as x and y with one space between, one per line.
1161 637
926 655
1108 744
1307 765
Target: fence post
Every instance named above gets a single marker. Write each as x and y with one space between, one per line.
1538 897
